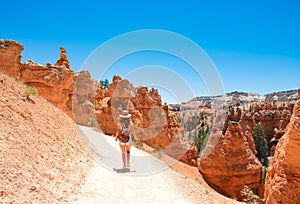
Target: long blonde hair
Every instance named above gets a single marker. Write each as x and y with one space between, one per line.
125 122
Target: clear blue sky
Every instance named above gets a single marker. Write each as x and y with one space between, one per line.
255 45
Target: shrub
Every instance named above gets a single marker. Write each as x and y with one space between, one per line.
157 149
249 197
30 90
17 79
92 122
138 144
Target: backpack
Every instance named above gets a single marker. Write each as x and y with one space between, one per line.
124 134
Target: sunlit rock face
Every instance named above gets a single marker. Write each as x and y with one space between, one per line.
283 177
232 163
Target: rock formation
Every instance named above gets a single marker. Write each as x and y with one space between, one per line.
10 57
78 93
55 83
269 116
273 119
282 96
109 103
155 124
63 61
83 102
233 115
231 164
283 177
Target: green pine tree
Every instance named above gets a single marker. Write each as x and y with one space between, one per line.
104 83
201 138
201 116
261 144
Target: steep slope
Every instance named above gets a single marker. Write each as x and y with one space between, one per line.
283 177
42 159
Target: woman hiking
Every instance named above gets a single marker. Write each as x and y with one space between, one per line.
125 135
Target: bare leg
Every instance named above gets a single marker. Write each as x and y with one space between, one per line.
123 149
124 160
128 155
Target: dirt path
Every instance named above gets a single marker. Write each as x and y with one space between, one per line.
150 180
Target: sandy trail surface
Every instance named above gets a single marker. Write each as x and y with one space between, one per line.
149 179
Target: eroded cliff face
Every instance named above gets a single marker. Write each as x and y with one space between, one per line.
269 116
231 164
54 83
273 118
160 127
283 177
10 57
83 99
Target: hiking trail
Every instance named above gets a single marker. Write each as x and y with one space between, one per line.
149 179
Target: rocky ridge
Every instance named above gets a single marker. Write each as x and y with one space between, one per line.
233 98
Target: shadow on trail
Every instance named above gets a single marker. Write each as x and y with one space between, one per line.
125 170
